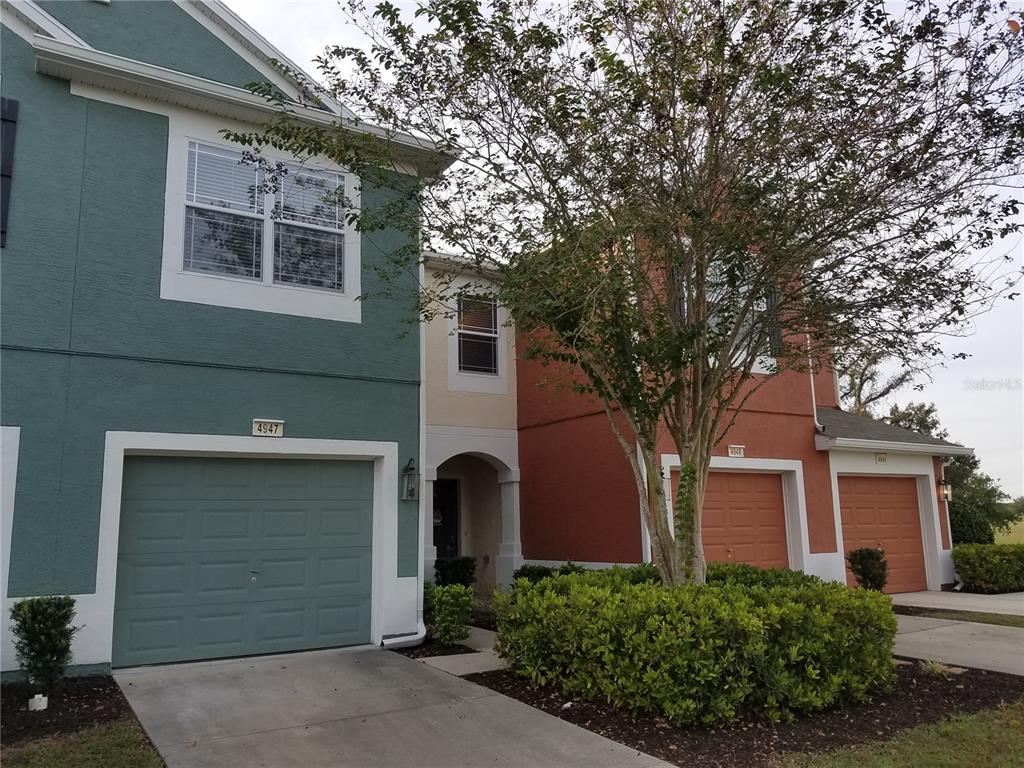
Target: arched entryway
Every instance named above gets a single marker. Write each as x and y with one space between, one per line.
473 510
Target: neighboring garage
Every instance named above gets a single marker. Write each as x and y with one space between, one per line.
744 519
223 557
883 512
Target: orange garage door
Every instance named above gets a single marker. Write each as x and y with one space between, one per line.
745 519
883 512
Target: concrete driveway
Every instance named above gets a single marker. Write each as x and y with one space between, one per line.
961 643
349 708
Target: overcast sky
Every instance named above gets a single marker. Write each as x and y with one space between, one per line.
980 400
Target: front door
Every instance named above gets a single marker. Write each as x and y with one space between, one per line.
446 518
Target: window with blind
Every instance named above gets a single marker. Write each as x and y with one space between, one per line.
478 335
293 235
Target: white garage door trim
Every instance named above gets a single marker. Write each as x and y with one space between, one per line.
938 563
393 602
794 503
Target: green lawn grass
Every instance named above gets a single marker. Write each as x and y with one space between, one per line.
994 739
1013 536
115 745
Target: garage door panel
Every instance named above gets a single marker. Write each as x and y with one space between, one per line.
883 511
203 577
744 518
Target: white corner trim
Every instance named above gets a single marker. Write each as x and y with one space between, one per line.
34 21
825 443
794 502
393 601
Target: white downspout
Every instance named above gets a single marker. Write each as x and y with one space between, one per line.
814 398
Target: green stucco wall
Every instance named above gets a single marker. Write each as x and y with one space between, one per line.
154 31
88 345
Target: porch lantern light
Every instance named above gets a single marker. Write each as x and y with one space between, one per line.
410 482
945 489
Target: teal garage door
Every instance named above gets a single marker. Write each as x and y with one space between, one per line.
230 557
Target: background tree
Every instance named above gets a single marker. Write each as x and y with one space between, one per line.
673 190
979 506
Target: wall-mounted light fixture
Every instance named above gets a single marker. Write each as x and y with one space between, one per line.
945 490
410 482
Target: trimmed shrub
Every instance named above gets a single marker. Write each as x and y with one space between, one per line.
42 638
455 570
699 654
446 611
746 575
869 566
990 568
534 573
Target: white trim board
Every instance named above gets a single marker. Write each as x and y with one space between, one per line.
826 565
394 599
825 443
498 447
33 20
938 563
10 440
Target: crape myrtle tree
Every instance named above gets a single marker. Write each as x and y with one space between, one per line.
679 193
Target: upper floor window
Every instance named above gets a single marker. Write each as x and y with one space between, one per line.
478 335
293 235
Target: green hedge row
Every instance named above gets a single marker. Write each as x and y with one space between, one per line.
990 568
698 654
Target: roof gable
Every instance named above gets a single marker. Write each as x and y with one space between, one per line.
163 33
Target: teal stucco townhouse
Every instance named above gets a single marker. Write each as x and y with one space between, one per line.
205 433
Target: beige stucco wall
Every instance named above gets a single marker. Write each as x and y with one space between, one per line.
454 408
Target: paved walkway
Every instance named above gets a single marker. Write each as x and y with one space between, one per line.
961 643
350 708
963 601
462 664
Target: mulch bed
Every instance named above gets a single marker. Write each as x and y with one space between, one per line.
918 698
429 649
79 702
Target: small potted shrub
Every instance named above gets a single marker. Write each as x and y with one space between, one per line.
42 641
446 611
870 567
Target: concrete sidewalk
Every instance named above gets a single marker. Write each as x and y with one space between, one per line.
1012 604
350 708
961 643
462 664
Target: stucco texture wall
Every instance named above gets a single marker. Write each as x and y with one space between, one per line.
154 32
89 346
449 408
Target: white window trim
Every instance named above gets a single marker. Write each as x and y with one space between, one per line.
393 601
487 383
176 284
